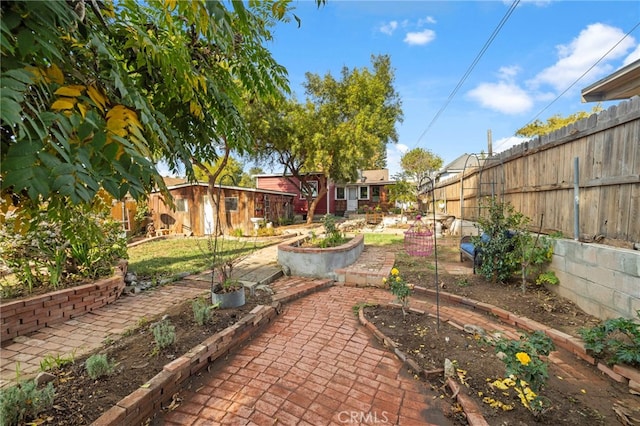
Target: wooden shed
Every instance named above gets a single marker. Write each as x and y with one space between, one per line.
194 212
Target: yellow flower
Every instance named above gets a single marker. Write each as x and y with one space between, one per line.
523 357
398 279
384 280
395 271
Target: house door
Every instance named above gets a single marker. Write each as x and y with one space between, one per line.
352 198
208 215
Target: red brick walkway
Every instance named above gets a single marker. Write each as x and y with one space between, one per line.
314 365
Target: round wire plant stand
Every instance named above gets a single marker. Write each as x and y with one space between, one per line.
418 240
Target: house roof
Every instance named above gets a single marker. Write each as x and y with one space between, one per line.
369 177
622 84
237 188
458 164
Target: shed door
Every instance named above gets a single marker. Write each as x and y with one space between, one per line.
208 215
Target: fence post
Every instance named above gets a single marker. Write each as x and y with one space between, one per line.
576 198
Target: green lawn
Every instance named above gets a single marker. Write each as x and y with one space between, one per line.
383 239
166 258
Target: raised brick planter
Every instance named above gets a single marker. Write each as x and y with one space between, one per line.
25 316
145 402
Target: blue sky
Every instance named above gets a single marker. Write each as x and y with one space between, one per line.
540 51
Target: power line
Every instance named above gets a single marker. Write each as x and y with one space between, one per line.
471 67
577 80
582 76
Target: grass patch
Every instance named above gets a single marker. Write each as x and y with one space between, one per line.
383 239
166 258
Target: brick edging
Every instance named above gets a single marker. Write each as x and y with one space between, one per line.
620 373
147 400
24 316
471 410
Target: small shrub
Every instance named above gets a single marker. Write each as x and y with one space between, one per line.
399 288
98 365
164 334
547 277
24 401
526 372
615 340
202 310
237 232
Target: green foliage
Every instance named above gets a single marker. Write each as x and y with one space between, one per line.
356 308
202 310
556 122
56 245
501 253
50 362
547 277
24 401
237 232
526 369
164 334
97 365
615 340
82 108
344 125
399 288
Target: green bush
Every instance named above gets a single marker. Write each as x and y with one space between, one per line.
615 340
501 255
56 245
24 401
98 365
164 334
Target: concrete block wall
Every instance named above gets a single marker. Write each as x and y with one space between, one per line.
604 281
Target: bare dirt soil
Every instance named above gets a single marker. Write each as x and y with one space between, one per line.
570 402
80 400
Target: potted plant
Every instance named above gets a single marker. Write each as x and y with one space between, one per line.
226 291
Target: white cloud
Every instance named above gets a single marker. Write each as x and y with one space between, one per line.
424 21
504 96
420 38
389 27
394 154
586 49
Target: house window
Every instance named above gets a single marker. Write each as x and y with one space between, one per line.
231 204
363 193
340 193
375 193
181 205
314 189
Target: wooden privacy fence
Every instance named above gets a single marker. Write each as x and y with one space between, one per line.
537 177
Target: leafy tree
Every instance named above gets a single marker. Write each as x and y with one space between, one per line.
343 126
233 168
247 180
86 102
538 128
402 192
419 165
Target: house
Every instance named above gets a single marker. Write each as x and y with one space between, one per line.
194 213
459 165
370 190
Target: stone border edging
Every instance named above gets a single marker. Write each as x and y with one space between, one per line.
620 373
472 412
23 316
145 401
